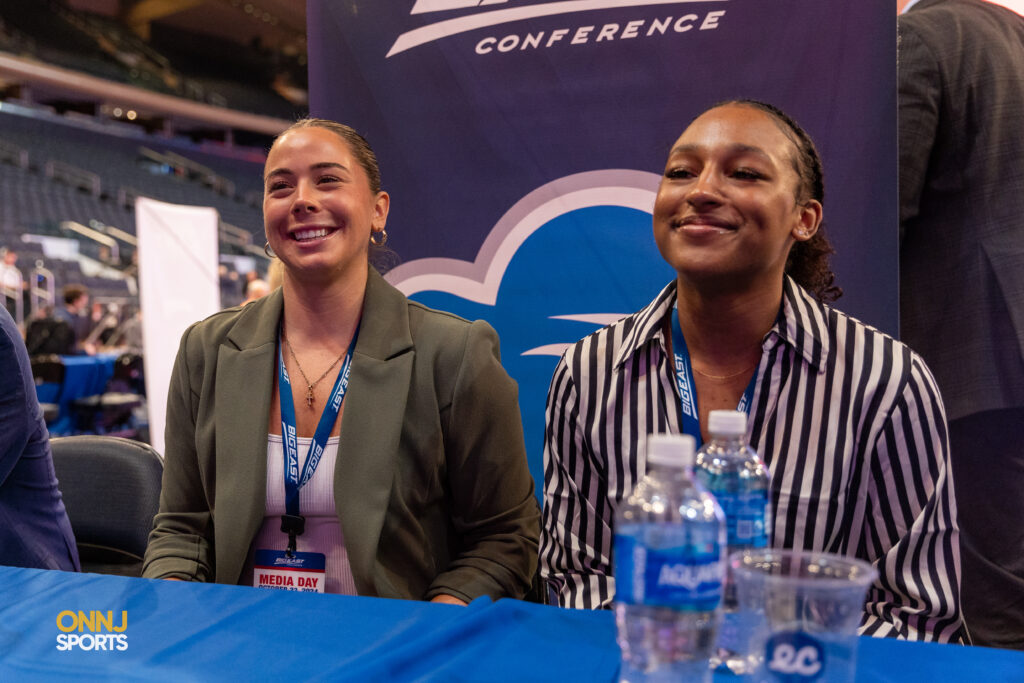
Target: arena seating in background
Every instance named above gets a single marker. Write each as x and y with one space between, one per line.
69 161
117 165
113 411
55 169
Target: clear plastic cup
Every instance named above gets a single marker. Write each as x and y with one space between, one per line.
799 612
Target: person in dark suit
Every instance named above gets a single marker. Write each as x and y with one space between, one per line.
961 117
75 313
419 488
34 526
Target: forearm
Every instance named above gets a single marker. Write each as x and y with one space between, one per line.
576 535
483 571
578 573
912 522
493 509
180 544
178 555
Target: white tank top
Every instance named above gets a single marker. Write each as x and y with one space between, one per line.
316 504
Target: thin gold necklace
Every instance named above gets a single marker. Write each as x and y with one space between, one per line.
725 377
310 385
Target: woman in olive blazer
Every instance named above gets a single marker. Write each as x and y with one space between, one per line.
431 485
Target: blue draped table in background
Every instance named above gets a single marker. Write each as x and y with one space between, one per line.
83 376
181 631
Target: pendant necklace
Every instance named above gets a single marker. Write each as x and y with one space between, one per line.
310 385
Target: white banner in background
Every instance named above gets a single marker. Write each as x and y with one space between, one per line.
178 285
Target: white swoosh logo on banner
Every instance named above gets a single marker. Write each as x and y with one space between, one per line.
450 27
599 319
480 279
555 350
441 5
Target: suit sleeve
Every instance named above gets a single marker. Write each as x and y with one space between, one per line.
493 507
920 93
911 533
14 420
575 554
180 544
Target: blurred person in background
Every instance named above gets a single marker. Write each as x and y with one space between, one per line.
961 140
244 281
256 289
75 312
129 335
105 321
12 282
231 291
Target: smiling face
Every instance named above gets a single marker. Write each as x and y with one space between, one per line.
318 207
726 213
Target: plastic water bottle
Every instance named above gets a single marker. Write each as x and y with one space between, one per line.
669 568
733 472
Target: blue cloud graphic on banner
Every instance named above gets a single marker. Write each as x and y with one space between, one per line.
571 256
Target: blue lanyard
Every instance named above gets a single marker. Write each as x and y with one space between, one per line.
293 481
687 388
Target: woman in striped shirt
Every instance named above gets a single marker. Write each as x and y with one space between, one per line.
849 420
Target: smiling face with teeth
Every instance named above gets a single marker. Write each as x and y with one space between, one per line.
727 211
318 206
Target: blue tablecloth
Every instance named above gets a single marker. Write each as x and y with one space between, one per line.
180 631
83 376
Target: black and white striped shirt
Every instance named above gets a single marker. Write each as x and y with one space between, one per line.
848 419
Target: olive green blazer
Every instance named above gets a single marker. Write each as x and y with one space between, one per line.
431 485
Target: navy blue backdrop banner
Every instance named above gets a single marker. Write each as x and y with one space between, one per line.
522 142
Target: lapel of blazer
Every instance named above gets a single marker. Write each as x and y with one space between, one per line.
371 427
245 365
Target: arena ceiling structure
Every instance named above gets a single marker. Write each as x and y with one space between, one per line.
184 30
277 23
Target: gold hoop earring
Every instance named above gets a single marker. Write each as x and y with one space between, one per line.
383 237
268 251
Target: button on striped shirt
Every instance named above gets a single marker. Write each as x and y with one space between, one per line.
849 421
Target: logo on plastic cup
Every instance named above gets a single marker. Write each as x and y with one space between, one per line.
793 656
